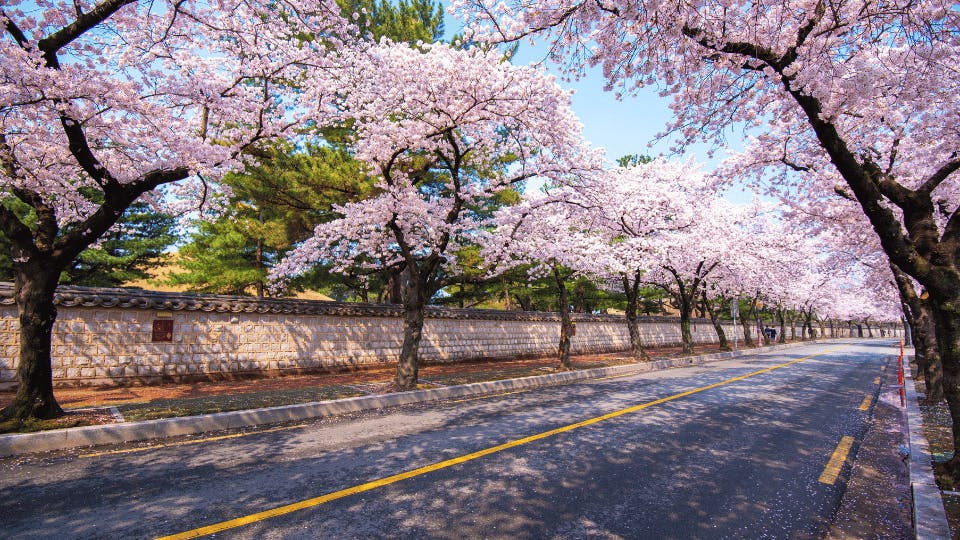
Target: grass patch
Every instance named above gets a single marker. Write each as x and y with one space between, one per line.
32 425
172 407
77 418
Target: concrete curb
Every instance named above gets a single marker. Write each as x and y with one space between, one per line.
62 439
929 517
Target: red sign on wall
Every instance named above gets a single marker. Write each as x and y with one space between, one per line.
163 330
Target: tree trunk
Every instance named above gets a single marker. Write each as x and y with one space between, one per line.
507 303
762 336
685 336
259 256
633 294
364 292
393 286
685 297
722 342
947 320
781 317
747 340
928 353
869 329
793 327
414 308
718 328
566 325
580 300
34 289
259 259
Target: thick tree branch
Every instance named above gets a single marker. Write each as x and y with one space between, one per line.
72 242
77 143
14 30
939 176
52 44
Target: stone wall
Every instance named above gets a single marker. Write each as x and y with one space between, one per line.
120 336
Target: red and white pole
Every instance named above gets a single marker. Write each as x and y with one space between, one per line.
903 390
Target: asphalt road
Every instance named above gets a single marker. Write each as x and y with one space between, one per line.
684 453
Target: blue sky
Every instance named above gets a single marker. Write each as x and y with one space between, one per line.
621 127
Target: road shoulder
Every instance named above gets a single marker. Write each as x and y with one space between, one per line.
877 502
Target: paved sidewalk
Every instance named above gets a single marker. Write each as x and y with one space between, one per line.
877 501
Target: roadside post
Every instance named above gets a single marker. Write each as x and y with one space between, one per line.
734 311
903 390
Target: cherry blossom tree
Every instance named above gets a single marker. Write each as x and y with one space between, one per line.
862 95
560 235
686 258
828 212
443 130
104 102
854 246
632 207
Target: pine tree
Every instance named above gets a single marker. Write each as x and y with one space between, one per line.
125 253
278 202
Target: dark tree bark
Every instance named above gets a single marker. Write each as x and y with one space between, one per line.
685 335
924 333
685 297
947 316
782 319
566 324
747 340
631 288
414 311
44 251
393 286
580 298
721 335
34 289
